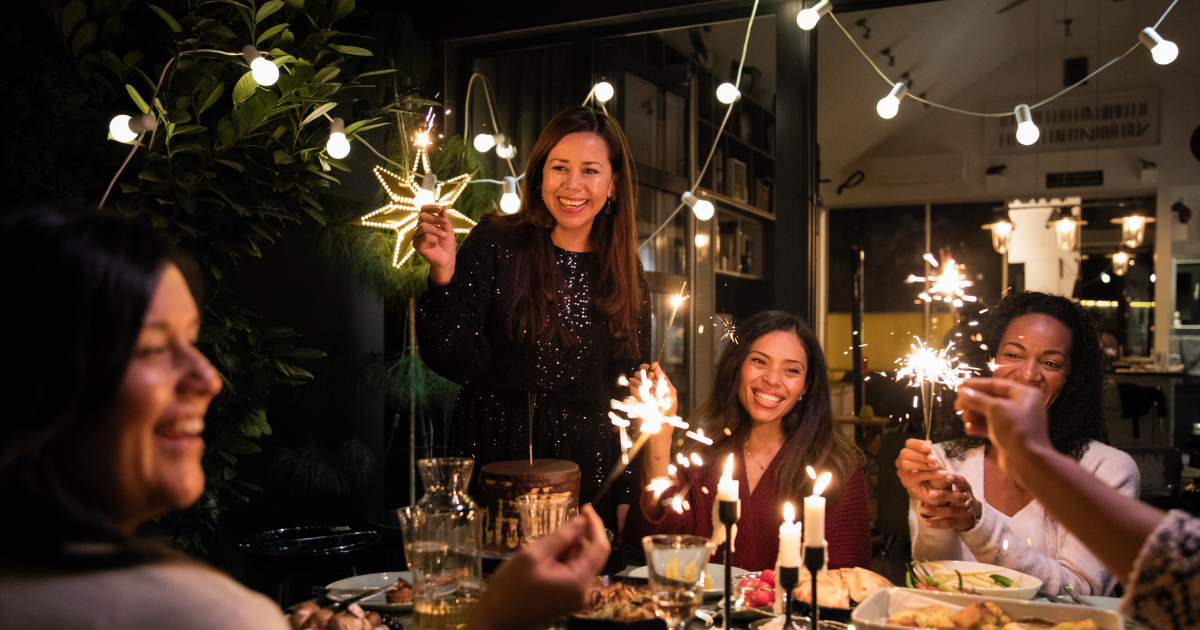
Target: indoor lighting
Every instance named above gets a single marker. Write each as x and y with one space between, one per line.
1120 263
264 72
484 142
727 93
126 129
504 148
702 208
1105 278
807 19
1163 51
1153 277
603 91
1001 236
1066 233
889 105
702 241
509 201
1027 132
1133 231
425 196
337 146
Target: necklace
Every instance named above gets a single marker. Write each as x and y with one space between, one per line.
751 454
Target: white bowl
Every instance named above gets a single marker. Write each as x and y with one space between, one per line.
1026 585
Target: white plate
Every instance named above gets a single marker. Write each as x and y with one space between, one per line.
1026 585
717 571
372 580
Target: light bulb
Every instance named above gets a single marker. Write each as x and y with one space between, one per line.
889 105
509 201
1066 233
337 145
263 71
603 91
425 195
1153 277
1027 132
1105 278
484 142
702 208
701 241
1133 231
808 18
506 150
727 93
1120 263
1001 236
1163 51
126 129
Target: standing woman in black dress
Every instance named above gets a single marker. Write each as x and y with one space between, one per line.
549 301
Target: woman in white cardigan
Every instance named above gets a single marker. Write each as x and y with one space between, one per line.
963 506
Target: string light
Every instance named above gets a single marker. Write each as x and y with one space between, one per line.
509 201
1105 278
889 105
603 91
702 208
264 72
808 18
337 145
484 142
728 93
1163 51
504 148
1027 132
125 128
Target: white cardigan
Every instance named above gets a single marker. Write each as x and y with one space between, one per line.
1037 544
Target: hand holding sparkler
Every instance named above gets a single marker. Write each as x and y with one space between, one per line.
656 375
926 368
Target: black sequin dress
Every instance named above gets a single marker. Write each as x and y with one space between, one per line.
462 334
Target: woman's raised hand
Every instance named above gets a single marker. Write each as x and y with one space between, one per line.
960 509
434 241
653 374
921 474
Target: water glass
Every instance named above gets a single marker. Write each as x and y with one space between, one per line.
676 566
541 514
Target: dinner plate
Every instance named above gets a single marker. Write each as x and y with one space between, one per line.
371 580
1026 585
717 571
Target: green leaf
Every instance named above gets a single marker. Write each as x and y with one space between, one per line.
326 73
113 62
281 157
244 88
213 97
269 33
85 37
229 473
373 73
352 50
231 164
317 113
166 17
242 447
178 117
186 129
72 15
342 8
114 27
137 99
225 133
267 9
132 58
290 352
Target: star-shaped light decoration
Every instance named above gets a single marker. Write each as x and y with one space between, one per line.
407 193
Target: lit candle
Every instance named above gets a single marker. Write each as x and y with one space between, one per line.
727 487
814 513
789 538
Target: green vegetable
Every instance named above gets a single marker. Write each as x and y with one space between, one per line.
908 579
1000 580
960 583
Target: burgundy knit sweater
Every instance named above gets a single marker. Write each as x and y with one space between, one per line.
757 543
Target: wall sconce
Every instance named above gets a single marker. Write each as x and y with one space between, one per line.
1120 263
1066 229
1002 231
1133 230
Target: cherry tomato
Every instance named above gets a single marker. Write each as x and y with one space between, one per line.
768 576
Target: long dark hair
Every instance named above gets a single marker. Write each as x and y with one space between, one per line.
1075 416
535 309
77 285
810 437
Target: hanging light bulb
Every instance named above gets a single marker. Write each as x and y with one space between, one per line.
603 91
1066 233
702 208
509 201
728 93
1163 51
1120 263
124 128
1001 236
808 18
337 145
1027 132
1105 278
1133 231
264 72
889 105
484 142
426 195
504 148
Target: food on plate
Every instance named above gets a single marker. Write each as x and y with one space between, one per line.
620 602
836 588
400 593
672 572
934 576
768 576
309 616
979 616
935 616
755 592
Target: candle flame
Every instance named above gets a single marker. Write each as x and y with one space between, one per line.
811 473
789 513
822 483
728 474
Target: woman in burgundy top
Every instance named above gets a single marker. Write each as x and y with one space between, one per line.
770 408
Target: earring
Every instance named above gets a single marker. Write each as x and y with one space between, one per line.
612 199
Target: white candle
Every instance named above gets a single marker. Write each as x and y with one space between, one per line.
789 538
727 487
814 513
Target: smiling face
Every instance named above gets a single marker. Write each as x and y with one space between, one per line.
576 182
143 458
773 376
1036 350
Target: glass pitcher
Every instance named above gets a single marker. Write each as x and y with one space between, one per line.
443 546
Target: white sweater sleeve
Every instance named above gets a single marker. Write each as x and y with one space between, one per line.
1072 563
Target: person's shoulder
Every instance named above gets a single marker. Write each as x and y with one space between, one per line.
1101 457
210 599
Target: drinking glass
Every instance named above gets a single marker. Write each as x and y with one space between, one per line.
541 514
676 566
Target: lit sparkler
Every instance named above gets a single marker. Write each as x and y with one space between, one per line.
948 286
728 329
925 368
676 302
649 406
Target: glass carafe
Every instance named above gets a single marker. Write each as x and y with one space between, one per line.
444 555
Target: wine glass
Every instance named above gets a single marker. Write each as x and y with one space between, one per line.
541 514
676 567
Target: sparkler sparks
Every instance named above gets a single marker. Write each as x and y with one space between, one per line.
728 329
925 368
676 302
948 286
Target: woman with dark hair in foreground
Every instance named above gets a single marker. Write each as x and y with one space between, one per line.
102 432
770 408
1047 342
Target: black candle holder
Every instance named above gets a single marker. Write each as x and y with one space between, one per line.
814 561
788 578
727 511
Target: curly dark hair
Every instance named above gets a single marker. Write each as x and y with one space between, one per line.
1075 416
